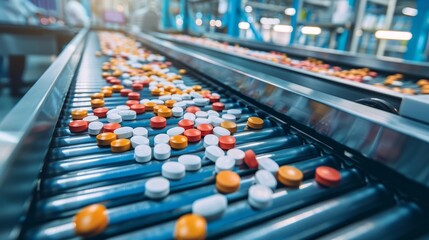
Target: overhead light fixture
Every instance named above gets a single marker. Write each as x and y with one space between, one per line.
199 22
270 21
290 11
283 28
218 23
243 25
212 23
410 11
179 22
248 9
311 30
393 35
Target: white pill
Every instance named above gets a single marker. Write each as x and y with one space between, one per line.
124 132
127 83
162 151
397 83
143 153
177 98
220 131
140 131
195 95
224 163
201 114
165 97
143 101
268 164
122 107
199 121
265 178
201 101
237 155
211 140
114 118
177 111
157 101
191 162
112 111
139 140
260 196
186 96
213 153
94 128
367 78
235 112
90 119
189 103
128 115
229 117
125 75
173 170
161 138
213 113
189 116
216 94
180 104
175 131
157 187
216 121
210 207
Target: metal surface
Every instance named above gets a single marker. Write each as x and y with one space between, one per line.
382 137
26 132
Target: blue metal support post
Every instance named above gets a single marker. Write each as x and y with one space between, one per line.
419 29
166 21
294 20
185 15
234 11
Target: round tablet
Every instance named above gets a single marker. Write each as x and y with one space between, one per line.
77 126
173 170
228 117
123 132
110 127
100 112
218 106
104 139
158 122
162 151
157 107
192 109
260 196
265 178
227 142
91 220
213 113
189 116
143 153
205 129
227 181
137 86
178 142
235 112
290 176
134 96
237 155
90 119
199 121
128 115
210 207
97 103
214 98
106 93
125 92
138 108
139 140
129 103
230 126
224 163
94 128
122 107
255 122
191 162
157 187
114 118
97 96
190 227
201 114
113 111
79 114
268 164
213 153
148 105
140 131
161 138
250 159
165 112
177 111
220 131
120 145
211 140
175 131
170 103
216 121
193 135
180 104
186 124
327 176
201 101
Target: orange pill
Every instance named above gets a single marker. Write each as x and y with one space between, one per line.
157 107
149 106
91 220
106 93
230 126
79 114
165 112
120 145
178 142
104 139
190 227
117 88
182 71
290 176
170 103
255 122
97 96
227 181
107 88
197 87
97 103
155 92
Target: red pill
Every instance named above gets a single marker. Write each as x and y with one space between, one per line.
115 82
158 122
327 176
193 135
214 99
250 159
146 82
205 129
186 124
100 112
129 103
110 127
134 96
125 92
192 109
218 106
138 108
78 126
227 142
137 87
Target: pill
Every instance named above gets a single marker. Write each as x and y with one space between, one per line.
100 112
224 163
191 162
148 105
97 103
218 106
180 104
125 92
157 187
250 159
199 121
138 108
158 122
117 88
91 220
193 135
220 131
260 196
120 145
175 131
201 101
90 119
165 112
110 127
190 227
268 164
157 107
255 122
97 96
178 142
201 114
137 86
211 140
327 176
177 111
94 128
290 176
128 115
78 126
230 126
235 112
205 129
173 170
189 116
123 132
213 153
134 96
161 138
210 207
189 103
162 151
114 118
265 178
122 107
142 153
104 139
228 117
214 98
227 142
139 140
216 121
227 181
195 95
79 114
165 98
213 113
186 124
113 111
176 98
192 109
106 93
140 131
237 155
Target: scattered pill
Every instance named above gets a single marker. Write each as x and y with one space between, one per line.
158 122
290 176
265 178
237 155
255 122
175 131
120 145
211 140
190 227
114 118
91 220
128 115
201 114
268 164
205 129
191 162
122 107
189 116
193 135
138 108
218 106
123 132
260 196
327 176
90 119
186 124
140 131
216 121
100 112
79 114
201 101
94 128
77 126
125 92
227 181
178 142
235 112
165 112
139 140
157 187
143 153
213 153
177 111
211 207
192 109
250 159
173 170
162 151
227 142
220 131
224 163
228 117
230 126
104 139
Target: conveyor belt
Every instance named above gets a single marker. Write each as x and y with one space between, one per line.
78 173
